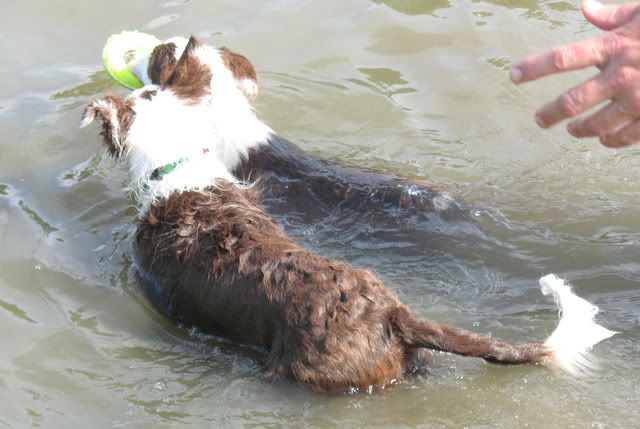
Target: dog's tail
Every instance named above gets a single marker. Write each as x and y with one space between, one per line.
576 332
566 348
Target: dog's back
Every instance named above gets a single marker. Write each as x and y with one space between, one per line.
222 264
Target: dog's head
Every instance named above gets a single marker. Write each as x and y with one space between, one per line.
196 99
186 65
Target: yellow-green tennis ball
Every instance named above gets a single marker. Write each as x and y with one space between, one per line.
121 52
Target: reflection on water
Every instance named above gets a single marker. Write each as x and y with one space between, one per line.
396 40
418 89
98 82
384 81
416 7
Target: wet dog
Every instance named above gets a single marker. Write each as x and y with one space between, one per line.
210 256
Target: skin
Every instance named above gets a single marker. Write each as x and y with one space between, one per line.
615 89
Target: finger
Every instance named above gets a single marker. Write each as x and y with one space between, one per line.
609 17
589 52
602 122
626 136
576 100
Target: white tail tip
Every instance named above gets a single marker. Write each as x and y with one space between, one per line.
576 333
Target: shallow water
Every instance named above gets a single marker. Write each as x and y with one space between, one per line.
413 88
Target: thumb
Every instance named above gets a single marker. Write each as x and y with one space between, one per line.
608 17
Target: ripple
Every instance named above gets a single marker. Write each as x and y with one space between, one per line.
161 21
16 311
413 7
37 219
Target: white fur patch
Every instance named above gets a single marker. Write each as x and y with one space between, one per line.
167 128
576 332
213 133
249 87
236 126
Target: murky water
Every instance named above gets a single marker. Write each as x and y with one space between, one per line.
414 88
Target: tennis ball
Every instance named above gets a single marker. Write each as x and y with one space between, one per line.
122 52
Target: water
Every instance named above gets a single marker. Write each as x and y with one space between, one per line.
414 88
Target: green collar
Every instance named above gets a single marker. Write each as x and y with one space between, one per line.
163 170
158 173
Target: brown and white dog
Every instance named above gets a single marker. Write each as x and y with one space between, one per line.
210 256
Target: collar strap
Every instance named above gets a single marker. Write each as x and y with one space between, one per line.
163 170
158 173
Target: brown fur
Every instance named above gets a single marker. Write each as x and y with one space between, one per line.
190 78
148 94
225 266
240 67
162 70
161 63
113 135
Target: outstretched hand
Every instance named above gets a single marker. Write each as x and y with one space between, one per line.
617 54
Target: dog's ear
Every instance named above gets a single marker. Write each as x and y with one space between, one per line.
242 70
116 115
191 77
162 62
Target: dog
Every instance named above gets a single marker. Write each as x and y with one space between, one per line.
210 256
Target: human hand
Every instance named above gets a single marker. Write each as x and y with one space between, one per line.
617 54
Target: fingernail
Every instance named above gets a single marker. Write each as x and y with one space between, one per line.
592 5
515 74
540 122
